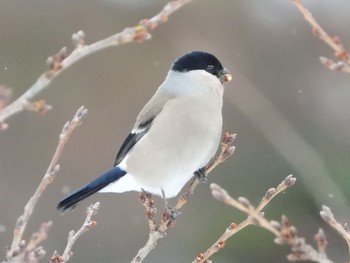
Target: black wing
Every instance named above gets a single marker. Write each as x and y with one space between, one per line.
132 139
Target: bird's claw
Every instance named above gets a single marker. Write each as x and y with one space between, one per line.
144 196
201 175
171 213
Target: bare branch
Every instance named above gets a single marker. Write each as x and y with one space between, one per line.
159 231
343 230
47 179
5 96
32 252
39 236
336 66
60 61
73 236
245 205
321 240
284 232
334 42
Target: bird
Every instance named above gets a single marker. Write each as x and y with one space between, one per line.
175 135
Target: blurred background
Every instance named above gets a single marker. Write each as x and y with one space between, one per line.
290 113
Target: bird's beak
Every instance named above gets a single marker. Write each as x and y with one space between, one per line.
225 76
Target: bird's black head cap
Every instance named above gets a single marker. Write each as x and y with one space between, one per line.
197 60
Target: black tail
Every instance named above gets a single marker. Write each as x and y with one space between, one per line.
73 199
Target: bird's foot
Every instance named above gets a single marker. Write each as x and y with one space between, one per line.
170 213
201 175
144 196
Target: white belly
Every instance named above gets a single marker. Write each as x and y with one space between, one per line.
167 161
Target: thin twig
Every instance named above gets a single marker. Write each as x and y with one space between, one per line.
74 236
60 62
334 42
5 96
39 236
343 230
47 179
159 231
233 228
32 252
285 233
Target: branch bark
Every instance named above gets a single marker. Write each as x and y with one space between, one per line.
334 42
285 233
233 228
17 242
343 230
60 62
74 236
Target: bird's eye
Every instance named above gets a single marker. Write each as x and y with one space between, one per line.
210 68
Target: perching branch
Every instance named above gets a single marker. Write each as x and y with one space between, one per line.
244 204
61 61
334 42
73 236
17 242
226 150
158 231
